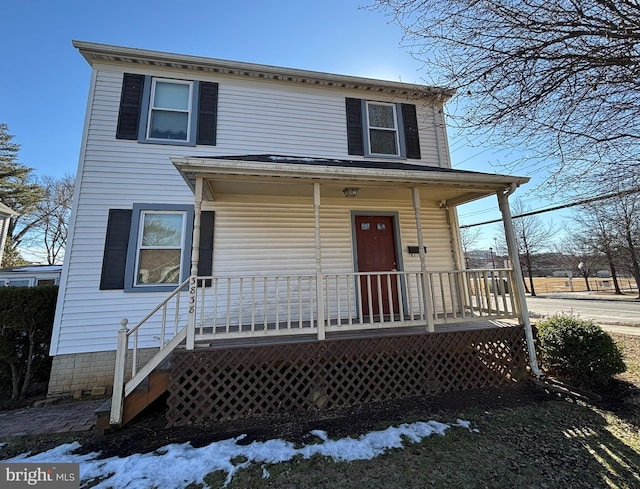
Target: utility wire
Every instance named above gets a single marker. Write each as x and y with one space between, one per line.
486 210
558 207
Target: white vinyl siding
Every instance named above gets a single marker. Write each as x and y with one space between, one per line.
254 117
266 236
264 118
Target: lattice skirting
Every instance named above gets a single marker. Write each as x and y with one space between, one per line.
212 385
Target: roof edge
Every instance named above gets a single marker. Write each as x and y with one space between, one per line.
6 210
96 52
271 164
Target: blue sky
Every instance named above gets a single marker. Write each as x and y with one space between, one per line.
44 82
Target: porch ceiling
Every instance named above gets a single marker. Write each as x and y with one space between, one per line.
293 176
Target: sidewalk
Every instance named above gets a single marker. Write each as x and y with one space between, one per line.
595 296
59 418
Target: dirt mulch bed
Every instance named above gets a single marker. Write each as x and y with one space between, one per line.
149 433
622 398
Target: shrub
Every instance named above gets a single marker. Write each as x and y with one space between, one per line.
26 322
579 350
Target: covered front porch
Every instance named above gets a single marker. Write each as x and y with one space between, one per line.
331 282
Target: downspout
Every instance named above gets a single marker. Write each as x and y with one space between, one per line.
318 256
458 252
503 203
454 234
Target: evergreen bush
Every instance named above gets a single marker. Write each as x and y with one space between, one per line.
26 323
579 350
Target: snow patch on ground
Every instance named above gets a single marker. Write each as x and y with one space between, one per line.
177 465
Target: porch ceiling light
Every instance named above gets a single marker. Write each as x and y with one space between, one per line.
350 192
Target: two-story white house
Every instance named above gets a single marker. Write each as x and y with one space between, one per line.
287 239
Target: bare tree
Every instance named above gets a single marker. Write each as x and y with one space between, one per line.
559 79
593 230
51 218
469 237
532 235
626 209
579 258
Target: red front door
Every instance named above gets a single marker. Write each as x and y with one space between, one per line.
375 244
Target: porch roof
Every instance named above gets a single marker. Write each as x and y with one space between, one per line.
226 173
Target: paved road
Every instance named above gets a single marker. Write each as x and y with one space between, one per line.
611 314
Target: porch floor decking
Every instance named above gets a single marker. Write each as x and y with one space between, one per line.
381 332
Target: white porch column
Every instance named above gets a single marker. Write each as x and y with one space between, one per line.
426 284
195 258
319 281
512 247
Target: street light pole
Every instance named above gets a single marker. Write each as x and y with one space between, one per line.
493 261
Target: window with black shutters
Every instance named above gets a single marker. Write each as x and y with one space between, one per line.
167 111
148 248
382 129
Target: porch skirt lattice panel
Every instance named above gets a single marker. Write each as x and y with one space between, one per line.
220 384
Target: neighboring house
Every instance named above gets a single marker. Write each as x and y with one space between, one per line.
250 220
5 218
30 275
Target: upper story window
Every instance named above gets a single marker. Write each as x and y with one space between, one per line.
164 111
382 129
169 110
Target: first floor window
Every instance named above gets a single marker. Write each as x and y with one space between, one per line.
160 248
148 248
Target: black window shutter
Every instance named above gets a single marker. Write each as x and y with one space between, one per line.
411 138
207 113
355 142
205 263
115 249
130 102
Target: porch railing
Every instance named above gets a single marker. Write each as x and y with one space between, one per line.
244 307
167 329
235 306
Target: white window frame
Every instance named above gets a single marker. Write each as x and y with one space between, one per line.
140 247
152 108
395 129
